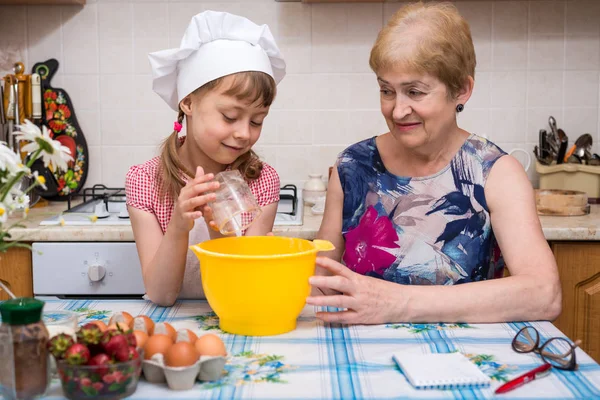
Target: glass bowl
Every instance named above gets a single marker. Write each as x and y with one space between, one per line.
112 381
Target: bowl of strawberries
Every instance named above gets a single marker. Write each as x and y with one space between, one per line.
97 363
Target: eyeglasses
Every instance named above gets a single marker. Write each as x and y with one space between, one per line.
557 351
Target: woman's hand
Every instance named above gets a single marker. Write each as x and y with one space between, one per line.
192 199
366 300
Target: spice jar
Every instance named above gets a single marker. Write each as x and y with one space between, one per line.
24 370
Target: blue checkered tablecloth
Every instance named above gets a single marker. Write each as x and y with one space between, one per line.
319 361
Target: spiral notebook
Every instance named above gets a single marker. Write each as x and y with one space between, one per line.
440 370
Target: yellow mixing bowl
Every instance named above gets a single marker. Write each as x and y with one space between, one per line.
257 285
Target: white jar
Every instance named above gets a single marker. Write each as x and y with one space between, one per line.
313 189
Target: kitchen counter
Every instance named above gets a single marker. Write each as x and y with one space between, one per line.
586 228
33 232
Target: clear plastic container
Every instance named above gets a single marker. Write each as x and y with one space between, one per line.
24 370
59 321
235 207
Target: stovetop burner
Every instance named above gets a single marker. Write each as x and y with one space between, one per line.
99 192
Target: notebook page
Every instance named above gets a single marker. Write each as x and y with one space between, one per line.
440 370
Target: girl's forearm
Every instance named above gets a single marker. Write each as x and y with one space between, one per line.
514 298
164 274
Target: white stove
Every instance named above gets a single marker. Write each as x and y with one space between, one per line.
106 206
108 269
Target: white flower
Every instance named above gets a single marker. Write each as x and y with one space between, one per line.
40 180
52 151
9 160
3 213
22 201
29 132
9 200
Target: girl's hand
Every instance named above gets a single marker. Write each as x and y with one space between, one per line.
366 299
192 199
208 218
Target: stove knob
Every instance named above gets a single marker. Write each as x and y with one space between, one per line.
96 272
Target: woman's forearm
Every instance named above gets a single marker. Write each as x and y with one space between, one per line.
164 275
514 298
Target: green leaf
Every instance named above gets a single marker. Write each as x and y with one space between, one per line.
267 359
114 387
69 175
90 391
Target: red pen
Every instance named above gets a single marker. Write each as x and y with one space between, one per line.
538 372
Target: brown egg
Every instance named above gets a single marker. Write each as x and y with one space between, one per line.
100 325
157 344
210 345
121 316
164 328
182 354
141 338
186 335
144 324
119 326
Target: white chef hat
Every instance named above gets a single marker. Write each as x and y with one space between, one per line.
215 44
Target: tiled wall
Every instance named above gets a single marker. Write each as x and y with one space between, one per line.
535 59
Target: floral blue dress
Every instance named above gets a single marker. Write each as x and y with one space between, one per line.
432 230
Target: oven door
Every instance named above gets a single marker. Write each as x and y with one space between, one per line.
87 270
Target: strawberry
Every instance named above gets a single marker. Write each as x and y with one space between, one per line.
114 342
102 361
85 382
77 354
122 354
131 339
133 353
127 354
90 335
59 344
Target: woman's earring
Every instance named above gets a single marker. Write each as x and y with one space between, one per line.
460 107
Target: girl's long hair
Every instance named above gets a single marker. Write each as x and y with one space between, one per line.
252 87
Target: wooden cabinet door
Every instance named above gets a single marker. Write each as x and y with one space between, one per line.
579 269
16 273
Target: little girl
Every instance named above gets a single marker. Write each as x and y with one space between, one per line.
221 81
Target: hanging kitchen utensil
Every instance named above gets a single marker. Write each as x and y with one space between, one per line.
562 149
23 89
3 120
552 138
583 146
58 115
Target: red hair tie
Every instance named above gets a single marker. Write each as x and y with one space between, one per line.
177 126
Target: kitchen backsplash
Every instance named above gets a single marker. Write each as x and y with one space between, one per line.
534 59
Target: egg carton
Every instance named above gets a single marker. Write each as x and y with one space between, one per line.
207 368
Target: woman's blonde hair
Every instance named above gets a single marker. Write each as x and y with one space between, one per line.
440 44
252 87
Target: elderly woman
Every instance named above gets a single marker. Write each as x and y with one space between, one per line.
425 215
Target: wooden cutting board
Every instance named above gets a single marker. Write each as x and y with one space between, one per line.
561 202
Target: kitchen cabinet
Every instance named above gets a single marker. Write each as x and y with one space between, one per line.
16 273
579 270
41 2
